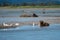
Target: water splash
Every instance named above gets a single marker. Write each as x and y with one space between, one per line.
33 27
33 24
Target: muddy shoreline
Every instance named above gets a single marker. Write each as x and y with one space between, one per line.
31 8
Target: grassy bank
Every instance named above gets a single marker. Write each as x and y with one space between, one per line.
52 6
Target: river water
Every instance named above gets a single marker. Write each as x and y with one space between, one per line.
29 32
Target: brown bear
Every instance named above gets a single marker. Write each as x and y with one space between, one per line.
43 24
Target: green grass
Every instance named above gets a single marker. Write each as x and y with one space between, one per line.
52 6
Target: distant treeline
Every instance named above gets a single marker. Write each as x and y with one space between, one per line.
29 2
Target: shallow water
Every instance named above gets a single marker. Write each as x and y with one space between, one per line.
28 32
18 12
